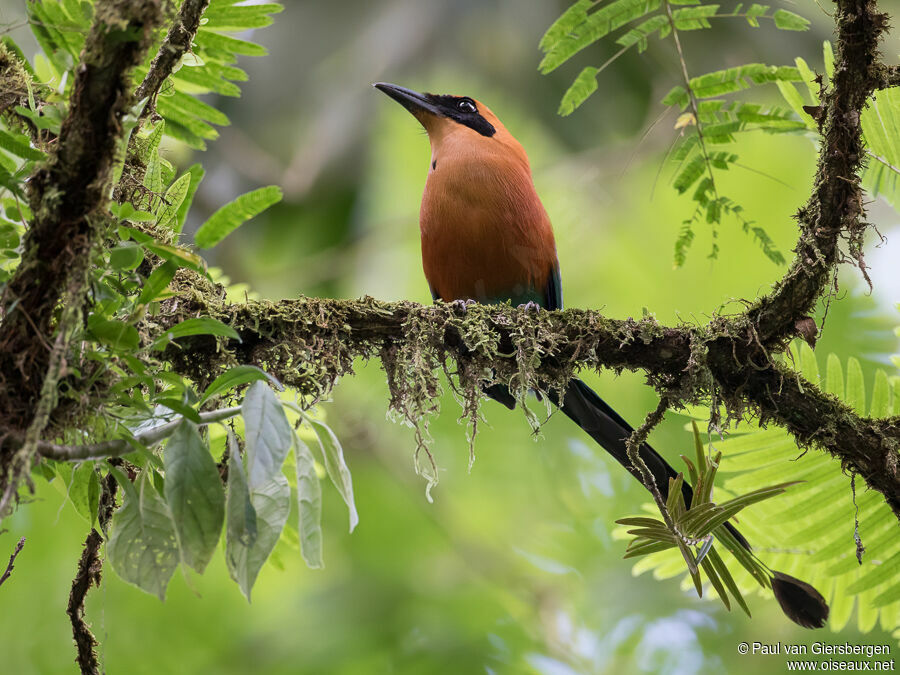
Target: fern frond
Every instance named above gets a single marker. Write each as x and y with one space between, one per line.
582 29
813 527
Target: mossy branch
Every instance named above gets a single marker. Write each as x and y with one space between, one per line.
835 210
310 343
66 194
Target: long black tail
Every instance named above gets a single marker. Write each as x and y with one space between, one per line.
802 603
584 407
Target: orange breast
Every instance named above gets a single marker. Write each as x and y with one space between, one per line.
485 233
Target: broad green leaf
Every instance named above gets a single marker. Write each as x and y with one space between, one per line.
158 281
196 126
173 200
795 100
148 146
235 377
197 174
268 434
126 256
181 257
309 502
809 78
754 12
194 494
143 549
336 466
204 81
583 86
272 503
197 326
193 106
82 486
115 334
234 214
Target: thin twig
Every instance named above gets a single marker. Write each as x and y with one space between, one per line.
633 449
695 107
12 560
122 446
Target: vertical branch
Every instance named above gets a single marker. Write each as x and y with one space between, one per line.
89 573
67 195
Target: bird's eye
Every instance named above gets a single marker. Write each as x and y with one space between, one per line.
465 105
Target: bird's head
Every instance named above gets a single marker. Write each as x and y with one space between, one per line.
457 121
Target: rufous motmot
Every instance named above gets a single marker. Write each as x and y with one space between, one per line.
486 237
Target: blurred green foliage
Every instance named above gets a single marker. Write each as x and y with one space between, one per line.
514 567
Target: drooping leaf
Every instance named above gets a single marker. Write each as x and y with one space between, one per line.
241 522
82 486
816 541
194 494
268 434
583 86
309 502
143 549
272 504
336 466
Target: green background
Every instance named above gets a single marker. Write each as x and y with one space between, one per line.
513 568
